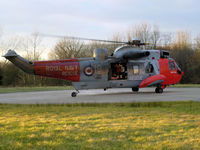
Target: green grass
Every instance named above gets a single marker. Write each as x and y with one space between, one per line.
153 125
30 89
186 85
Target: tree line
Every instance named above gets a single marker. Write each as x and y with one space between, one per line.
182 48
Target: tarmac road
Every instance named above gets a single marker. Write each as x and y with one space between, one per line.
100 96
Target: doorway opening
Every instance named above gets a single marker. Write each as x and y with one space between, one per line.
118 71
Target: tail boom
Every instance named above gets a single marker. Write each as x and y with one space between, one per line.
24 64
68 69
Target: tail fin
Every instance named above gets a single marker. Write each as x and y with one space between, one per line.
26 65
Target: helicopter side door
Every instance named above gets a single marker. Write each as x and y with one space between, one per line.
101 71
136 70
118 71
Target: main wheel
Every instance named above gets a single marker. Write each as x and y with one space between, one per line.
135 89
159 90
73 94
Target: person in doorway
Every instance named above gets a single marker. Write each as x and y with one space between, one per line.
119 71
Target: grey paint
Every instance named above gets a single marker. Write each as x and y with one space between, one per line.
106 84
22 63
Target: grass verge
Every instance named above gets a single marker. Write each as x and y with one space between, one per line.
152 125
186 85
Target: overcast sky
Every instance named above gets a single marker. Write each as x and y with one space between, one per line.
97 18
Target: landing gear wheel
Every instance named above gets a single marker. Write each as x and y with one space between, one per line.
74 94
159 90
135 89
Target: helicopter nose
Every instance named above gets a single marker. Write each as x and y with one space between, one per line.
179 72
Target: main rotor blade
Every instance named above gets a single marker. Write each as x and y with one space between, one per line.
80 38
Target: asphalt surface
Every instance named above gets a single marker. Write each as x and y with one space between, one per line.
100 96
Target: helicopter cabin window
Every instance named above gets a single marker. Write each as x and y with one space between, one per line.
135 69
149 68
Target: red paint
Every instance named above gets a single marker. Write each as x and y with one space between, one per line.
151 79
172 76
68 69
168 76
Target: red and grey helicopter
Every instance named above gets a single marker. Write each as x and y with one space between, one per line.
128 67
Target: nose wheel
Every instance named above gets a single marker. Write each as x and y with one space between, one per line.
135 89
74 94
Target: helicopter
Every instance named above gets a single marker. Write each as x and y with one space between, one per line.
129 66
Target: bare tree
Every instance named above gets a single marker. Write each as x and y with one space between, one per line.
143 32
31 45
36 41
197 43
166 39
118 37
9 72
1 71
6 43
182 40
155 36
66 48
129 34
0 51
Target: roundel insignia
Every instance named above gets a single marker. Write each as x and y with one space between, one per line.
88 71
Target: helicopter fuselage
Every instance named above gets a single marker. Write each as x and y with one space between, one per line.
127 68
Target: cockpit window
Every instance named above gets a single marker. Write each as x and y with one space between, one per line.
172 65
177 66
149 68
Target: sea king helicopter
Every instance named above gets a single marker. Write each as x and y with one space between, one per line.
128 67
